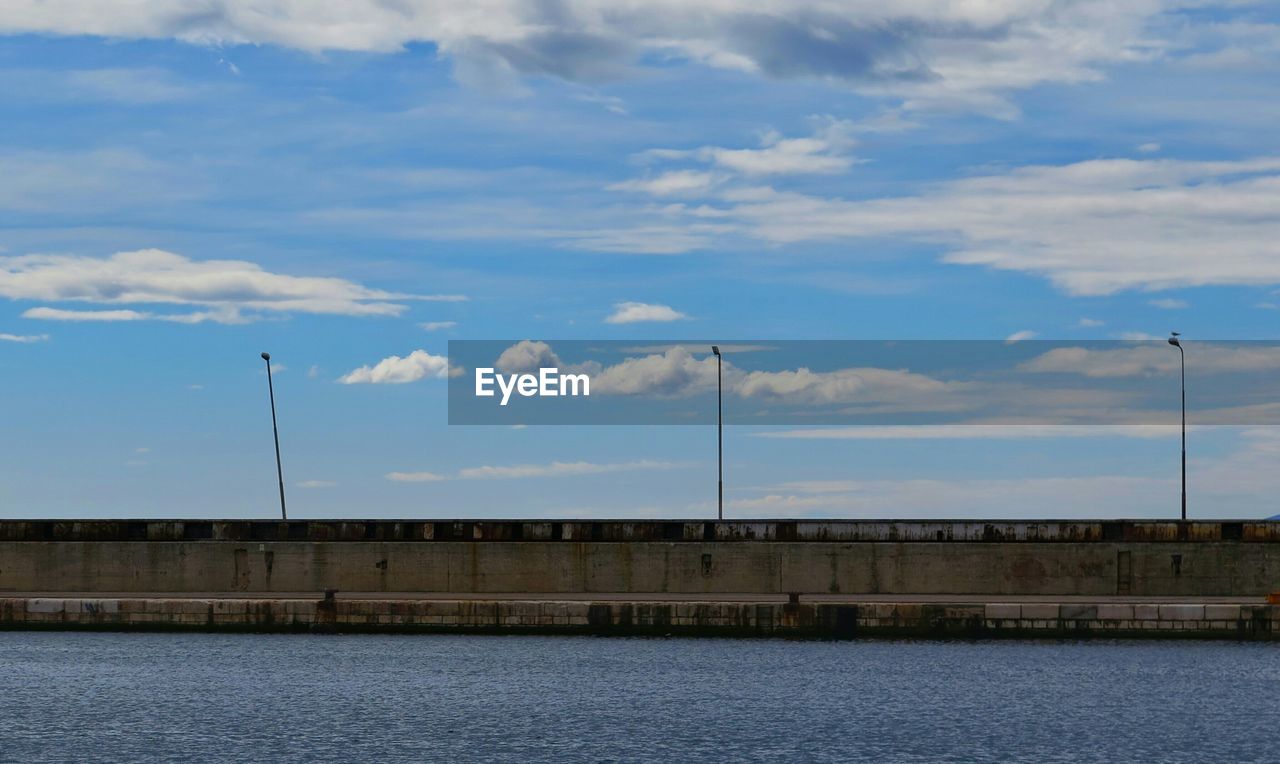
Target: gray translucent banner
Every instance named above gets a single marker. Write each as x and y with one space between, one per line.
872 382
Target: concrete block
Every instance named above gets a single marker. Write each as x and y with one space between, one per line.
1222 612
41 605
1146 612
1115 612
100 606
882 609
1005 610
1041 610
909 612
1181 612
1079 612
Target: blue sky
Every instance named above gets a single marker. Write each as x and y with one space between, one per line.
344 183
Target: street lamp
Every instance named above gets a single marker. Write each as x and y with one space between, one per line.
719 434
276 432
1183 355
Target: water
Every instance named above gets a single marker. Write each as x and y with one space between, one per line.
164 697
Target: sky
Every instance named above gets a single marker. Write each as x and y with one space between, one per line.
351 185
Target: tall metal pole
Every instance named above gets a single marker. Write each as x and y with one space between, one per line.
276 432
1182 355
719 435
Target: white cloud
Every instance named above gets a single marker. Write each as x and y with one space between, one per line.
415 477
1092 228
1149 148
1050 496
1168 303
224 316
1220 485
672 183
97 180
518 471
1025 334
823 153
975 432
637 312
1090 323
435 326
231 291
316 484
23 338
931 54
559 469
395 370
134 86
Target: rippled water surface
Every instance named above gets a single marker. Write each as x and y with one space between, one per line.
160 697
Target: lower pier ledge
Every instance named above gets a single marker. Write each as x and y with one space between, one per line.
626 615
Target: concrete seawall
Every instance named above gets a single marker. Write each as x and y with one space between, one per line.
960 619
1089 558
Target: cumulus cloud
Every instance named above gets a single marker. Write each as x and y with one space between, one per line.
527 356
929 53
1090 323
231 291
23 338
435 326
1154 359
676 372
395 370
1025 334
841 385
638 312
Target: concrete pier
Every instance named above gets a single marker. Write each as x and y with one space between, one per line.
778 577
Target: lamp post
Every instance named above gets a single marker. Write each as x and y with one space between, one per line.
276 432
719 435
1183 356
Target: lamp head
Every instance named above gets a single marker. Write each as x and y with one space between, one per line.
1174 339
715 350
266 356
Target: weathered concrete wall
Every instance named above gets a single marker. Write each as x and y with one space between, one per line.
1205 621
1092 568
646 530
